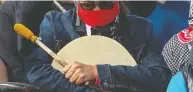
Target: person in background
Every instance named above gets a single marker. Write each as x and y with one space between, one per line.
182 81
176 51
169 18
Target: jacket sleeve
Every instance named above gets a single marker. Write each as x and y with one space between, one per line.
152 75
177 84
38 55
40 72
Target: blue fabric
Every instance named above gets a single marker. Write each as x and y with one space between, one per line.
177 84
169 19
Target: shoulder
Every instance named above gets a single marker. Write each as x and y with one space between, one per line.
172 42
138 19
179 40
140 27
175 53
56 19
140 24
57 16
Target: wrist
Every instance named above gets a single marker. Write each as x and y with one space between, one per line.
94 71
95 74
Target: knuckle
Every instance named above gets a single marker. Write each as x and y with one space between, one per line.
74 62
81 76
67 76
66 68
71 79
75 65
78 70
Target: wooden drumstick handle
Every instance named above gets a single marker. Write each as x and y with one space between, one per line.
51 53
28 34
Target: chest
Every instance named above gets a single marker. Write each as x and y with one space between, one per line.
134 45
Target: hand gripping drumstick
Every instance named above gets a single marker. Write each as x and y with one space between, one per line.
26 33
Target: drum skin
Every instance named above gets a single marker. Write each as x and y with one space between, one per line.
94 50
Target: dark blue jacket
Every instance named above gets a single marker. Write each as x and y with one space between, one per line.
58 29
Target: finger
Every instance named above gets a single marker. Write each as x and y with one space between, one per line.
80 80
75 76
72 69
70 72
66 68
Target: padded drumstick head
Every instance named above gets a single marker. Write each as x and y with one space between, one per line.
25 32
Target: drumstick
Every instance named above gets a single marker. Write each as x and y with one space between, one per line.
59 6
28 34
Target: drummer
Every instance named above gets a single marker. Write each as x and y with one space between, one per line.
104 18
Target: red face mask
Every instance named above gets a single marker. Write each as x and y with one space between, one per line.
98 17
